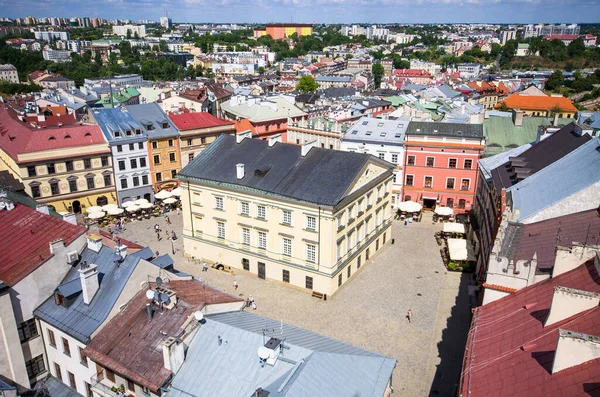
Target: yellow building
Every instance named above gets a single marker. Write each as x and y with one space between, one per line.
300 215
67 167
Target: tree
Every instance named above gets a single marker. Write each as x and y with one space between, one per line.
136 36
261 70
307 84
128 33
556 80
576 48
377 74
162 45
503 107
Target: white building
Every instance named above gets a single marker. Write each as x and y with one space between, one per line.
57 55
469 70
166 22
9 72
382 138
51 35
133 29
430 67
507 35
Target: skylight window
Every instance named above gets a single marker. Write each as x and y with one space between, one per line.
379 124
365 122
383 134
369 133
354 132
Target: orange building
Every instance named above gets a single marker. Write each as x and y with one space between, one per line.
283 30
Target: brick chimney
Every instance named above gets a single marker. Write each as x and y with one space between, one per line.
573 349
173 353
94 242
567 302
89 281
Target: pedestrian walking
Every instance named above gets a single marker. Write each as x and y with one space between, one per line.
158 236
178 211
156 254
156 227
204 267
235 285
167 220
173 235
409 315
167 234
251 298
253 305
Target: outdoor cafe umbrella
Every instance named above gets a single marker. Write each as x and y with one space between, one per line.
443 211
127 203
170 201
115 211
140 201
97 215
145 206
95 208
163 194
108 207
176 192
410 206
133 208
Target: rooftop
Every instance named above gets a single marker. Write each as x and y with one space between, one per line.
262 109
445 129
118 125
153 120
280 169
369 129
196 120
542 103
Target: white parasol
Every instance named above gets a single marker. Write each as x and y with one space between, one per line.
94 208
133 208
170 201
444 211
140 201
127 204
109 206
145 206
97 215
115 211
176 192
163 194
410 206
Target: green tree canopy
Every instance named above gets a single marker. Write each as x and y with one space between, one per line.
307 84
377 74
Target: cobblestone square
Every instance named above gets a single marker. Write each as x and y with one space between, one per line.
370 310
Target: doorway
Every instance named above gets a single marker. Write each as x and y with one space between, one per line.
429 203
102 200
147 196
261 270
76 207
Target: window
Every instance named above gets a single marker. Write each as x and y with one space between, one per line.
173 174
144 179
82 358
358 260
54 188
189 142
261 212
311 253
131 146
27 330
311 223
136 181
123 183
72 381
110 375
88 390
154 145
51 169
452 163
245 208
428 182
410 179
339 250
461 203
246 264
340 220
382 156
156 159
190 156
172 157
430 161
219 203
58 371
203 140
107 180
121 165
104 161
450 183
128 133
309 282
394 178
31 170
35 191
245 236
170 143
141 145
220 229
69 165
35 366
465 184
130 385
468 164
449 202
51 338
369 133
119 148
395 158
87 163
262 240
410 160
287 217
90 182
142 162
133 163
286 276
340 280
158 177
66 347
287 247
349 271
380 125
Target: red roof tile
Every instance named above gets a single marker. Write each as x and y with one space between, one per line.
196 120
524 102
500 329
130 343
499 287
25 236
411 73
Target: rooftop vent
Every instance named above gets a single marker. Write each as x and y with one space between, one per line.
262 171
573 349
567 302
239 170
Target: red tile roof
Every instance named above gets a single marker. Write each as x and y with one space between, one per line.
411 73
196 120
130 343
509 352
51 121
501 288
524 102
25 236
561 37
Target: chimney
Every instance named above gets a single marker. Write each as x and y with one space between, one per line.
89 281
486 114
243 135
70 218
555 121
517 117
275 138
121 250
573 349
173 354
94 242
306 147
240 170
567 302
43 209
57 246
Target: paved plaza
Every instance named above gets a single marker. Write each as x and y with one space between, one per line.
370 310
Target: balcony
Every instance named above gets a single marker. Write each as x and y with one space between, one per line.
104 390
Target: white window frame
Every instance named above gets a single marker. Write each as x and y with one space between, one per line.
406 179
287 214
425 178
245 208
427 161
286 246
454 185
394 158
311 219
455 159
245 236
472 162
461 184
414 160
221 229
311 253
340 244
219 205
260 208
262 240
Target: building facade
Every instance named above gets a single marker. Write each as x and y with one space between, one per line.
327 134
9 72
441 164
264 208
280 31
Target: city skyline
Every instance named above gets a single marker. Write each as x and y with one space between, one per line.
331 11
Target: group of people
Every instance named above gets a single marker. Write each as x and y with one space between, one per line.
168 235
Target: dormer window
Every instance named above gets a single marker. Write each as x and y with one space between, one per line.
138 131
128 132
165 125
59 299
150 127
117 134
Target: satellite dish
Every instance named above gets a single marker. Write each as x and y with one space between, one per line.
159 280
164 298
263 353
150 294
198 315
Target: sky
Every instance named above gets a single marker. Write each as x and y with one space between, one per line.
316 11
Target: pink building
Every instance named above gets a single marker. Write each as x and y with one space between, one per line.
441 165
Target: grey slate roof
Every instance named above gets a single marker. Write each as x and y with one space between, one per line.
334 79
488 164
151 113
233 369
561 179
6 386
163 261
145 253
378 131
118 119
445 129
80 320
321 177
56 388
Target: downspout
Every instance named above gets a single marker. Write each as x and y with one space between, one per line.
319 242
190 206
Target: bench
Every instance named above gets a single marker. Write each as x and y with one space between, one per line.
220 266
319 295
